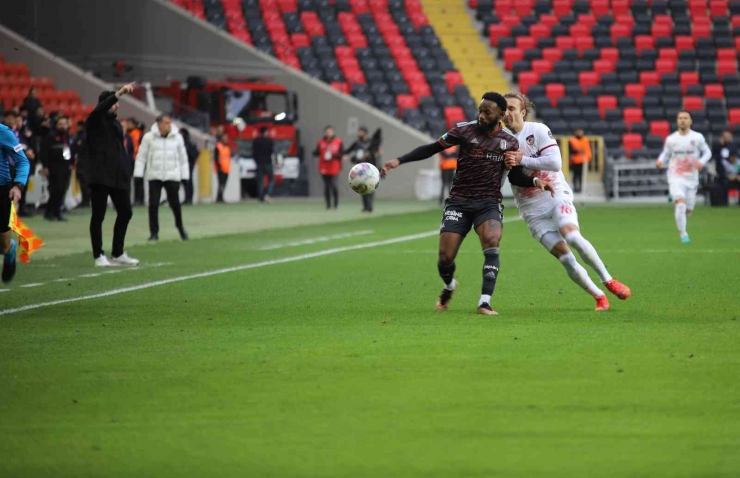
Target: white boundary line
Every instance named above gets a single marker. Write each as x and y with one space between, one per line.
315 240
253 265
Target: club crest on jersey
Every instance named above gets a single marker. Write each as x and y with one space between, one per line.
530 140
502 144
549 133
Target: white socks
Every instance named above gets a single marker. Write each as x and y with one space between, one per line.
588 254
484 299
681 218
579 275
452 285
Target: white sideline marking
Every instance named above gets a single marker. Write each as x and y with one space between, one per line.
314 240
4 290
62 279
38 284
253 265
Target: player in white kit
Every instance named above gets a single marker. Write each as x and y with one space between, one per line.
685 152
553 221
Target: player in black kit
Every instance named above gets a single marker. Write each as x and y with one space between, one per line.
475 197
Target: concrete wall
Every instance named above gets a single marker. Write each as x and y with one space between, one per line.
162 41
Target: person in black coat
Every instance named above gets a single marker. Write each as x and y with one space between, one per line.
193 153
57 161
262 150
109 176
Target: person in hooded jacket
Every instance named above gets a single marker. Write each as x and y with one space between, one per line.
109 176
162 153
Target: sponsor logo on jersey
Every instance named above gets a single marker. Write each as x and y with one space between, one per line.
444 137
18 148
453 216
530 140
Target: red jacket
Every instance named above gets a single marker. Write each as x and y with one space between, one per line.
330 156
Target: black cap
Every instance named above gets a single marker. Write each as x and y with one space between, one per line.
363 128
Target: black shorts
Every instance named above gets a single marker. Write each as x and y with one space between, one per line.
4 208
459 217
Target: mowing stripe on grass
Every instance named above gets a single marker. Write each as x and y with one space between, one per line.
254 265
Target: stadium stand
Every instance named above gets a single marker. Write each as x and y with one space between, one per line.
382 52
16 81
621 68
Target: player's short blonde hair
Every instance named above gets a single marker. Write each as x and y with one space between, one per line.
526 102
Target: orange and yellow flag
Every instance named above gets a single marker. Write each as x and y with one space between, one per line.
28 242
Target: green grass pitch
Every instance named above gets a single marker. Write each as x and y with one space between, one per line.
337 365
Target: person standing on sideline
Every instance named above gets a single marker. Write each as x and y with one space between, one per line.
10 191
263 149
222 164
80 155
580 154
162 153
192 151
364 150
447 166
56 161
329 151
134 131
109 177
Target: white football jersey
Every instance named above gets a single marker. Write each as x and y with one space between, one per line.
680 153
534 138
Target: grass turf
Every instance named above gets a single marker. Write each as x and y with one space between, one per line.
338 365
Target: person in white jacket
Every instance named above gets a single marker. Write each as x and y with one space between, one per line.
162 154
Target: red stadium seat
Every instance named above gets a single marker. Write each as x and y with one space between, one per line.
620 30
662 30
555 91
524 8
727 67
587 19
588 78
453 79
497 31
300 40
684 42
693 103
406 102
665 66
668 54
718 8
631 142
340 86
584 43
649 78
726 54
539 31
552 54
511 55
549 19
526 42
604 66
600 7
565 43
636 91
579 30
606 103
620 7
503 7
714 91
453 115
511 20
734 116
541 66
562 7
644 42
687 78
660 128
527 79
610 54
699 30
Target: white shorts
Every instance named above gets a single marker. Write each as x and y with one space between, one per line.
682 188
550 217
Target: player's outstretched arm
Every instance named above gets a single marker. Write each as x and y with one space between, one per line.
422 152
518 178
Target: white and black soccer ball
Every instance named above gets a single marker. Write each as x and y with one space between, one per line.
364 178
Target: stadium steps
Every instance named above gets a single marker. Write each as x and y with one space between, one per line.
467 50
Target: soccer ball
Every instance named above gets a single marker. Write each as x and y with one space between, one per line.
364 178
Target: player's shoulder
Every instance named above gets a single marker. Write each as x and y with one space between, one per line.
466 125
507 132
697 135
6 135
